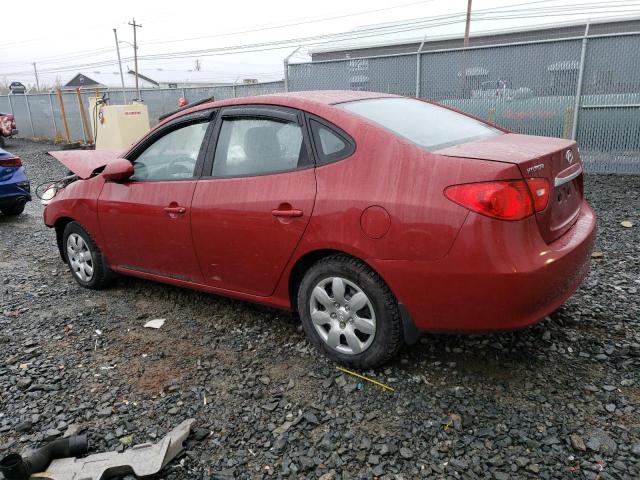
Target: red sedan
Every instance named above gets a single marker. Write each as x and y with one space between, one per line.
375 217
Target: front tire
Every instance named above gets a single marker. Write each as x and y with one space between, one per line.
349 312
84 258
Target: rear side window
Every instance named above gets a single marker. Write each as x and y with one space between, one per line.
255 146
331 145
427 125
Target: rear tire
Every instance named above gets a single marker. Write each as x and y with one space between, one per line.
13 210
84 258
349 313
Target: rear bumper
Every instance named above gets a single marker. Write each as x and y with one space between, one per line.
14 189
497 276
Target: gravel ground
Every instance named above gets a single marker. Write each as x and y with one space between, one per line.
558 400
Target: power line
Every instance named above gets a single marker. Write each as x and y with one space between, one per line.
286 25
584 8
362 33
250 48
259 29
372 31
245 48
90 53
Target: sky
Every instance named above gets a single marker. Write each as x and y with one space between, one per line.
78 35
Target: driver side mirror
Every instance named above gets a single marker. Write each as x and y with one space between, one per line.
118 170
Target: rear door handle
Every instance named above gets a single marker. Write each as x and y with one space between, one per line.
175 209
288 213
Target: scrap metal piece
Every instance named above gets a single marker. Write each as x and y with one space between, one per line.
383 386
141 460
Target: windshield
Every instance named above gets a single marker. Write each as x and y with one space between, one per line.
427 125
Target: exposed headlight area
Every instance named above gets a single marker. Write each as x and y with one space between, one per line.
48 190
48 194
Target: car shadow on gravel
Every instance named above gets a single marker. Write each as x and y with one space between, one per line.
496 354
196 298
14 219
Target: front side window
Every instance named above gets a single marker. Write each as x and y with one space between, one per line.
255 146
427 125
171 157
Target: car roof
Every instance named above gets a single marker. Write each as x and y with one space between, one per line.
329 97
314 101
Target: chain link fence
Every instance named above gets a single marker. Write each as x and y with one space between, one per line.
39 115
586 88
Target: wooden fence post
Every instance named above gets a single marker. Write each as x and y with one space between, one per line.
63 114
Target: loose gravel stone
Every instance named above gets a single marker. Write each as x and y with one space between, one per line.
24 426
51 434
406 453
578 443
525 404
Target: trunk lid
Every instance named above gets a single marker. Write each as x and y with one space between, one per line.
555 159
85 163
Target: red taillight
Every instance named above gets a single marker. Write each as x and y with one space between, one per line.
540 192
505 200
10 162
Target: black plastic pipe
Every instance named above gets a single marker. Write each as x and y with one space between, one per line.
15 467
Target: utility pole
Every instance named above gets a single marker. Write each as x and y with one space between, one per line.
467 25
35 70
115 34
135 53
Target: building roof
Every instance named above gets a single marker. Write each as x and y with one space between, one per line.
147 78
81 80
100 78
180 77
477 37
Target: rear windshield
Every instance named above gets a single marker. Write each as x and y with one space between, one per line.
424 124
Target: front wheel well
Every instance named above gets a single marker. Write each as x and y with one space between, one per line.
59 226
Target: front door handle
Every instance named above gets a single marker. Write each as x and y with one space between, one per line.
175 209
287 213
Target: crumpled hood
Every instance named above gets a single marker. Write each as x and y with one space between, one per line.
84 163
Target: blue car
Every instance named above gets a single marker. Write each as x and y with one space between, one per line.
15 190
